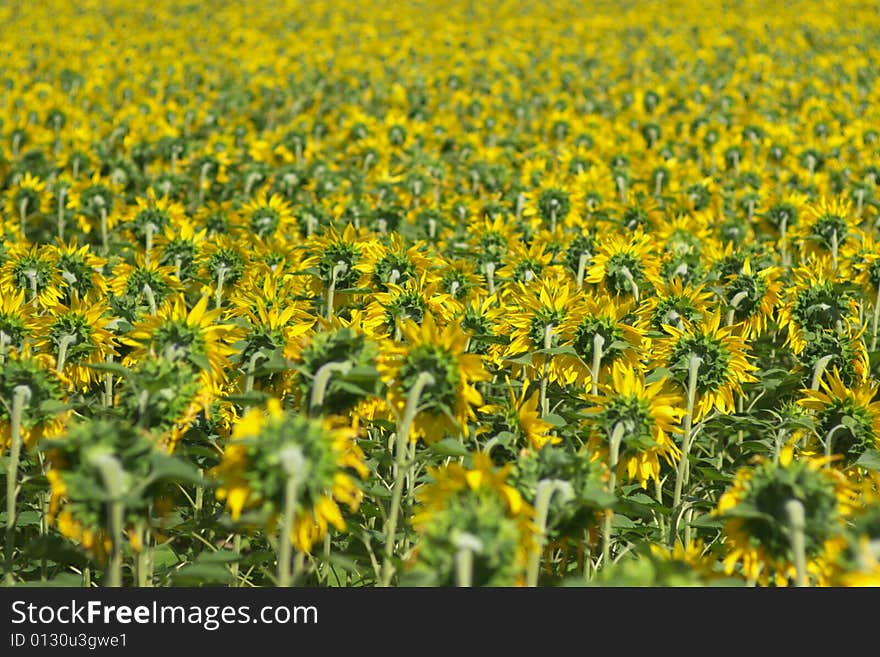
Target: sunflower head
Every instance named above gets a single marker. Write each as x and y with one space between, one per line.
100 460
269 447
474 509
757 527
32 379
447 401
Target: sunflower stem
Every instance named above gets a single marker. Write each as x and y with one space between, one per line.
627 274
293 463
543 495
105 239
22 211
61 194
108 384
113 476
834 248
681 472
783 241
876 318
151 299
424 380
218 293
466 546
322 381
613 458
598 343
21 396
489 268
819 370
203 180
797 524
149 231
64 344
548 341
582 268
734 304
339 268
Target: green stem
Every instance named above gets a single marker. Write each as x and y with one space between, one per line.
322 381
466 546
113 476
22 211
819 370
548 340
61 194
21 395
151 299
218 294
149 231
681 473
293 462
598 343
734 304
797 525
783 240
108 385
582 268
339 268
63 346
490 276
105 238
543 495
876 318
424 380
613 459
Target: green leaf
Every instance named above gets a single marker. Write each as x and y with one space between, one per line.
870 460
112 368
449 447
253 398
555 420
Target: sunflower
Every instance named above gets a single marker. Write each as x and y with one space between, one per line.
180 246
519 415
40 419
534 316
827 227
413 301
599 321
152 216
526 263
647 414
473 509
722 356
393 263
265 216
847 419
192 335
76 333
674 304
818 301
18 322
81 270
33 270
752 297
756 532
270 446
447 402
26 198
625 265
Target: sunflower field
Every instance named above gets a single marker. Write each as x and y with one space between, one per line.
346 294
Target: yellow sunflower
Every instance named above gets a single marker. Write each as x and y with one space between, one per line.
642 416
722 358
447 402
